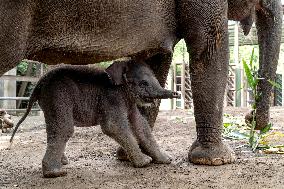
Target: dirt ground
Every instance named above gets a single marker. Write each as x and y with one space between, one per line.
93 163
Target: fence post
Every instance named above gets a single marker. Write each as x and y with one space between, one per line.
24 83
167 104
183 85
245 90
174 84
283 84
9 89
238 76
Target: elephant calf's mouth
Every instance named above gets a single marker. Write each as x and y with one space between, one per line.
144 101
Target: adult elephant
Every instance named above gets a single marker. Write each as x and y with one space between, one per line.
90 31
268 16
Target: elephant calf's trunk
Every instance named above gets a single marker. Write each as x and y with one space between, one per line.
169 94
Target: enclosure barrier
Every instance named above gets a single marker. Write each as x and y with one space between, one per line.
11 101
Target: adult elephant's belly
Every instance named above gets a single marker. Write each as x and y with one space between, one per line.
95 31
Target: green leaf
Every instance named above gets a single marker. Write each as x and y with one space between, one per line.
266 129
238 135
251 58
226 125
274 84
239 89
250 78
254 142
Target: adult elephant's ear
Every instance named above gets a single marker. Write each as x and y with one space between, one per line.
117 70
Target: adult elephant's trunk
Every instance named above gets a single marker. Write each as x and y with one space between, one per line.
269 24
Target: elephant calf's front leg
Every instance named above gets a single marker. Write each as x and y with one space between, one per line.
147 142
117 127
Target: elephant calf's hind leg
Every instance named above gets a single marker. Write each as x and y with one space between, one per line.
54 158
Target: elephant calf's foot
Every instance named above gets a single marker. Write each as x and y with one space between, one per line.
121 154
141 161
210 154
162 159
64 160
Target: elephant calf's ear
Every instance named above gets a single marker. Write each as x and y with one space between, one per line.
116 71
246 24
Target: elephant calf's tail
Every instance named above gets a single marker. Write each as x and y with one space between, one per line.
33 98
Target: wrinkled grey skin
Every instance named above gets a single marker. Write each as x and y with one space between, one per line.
268 17
90 97
90 31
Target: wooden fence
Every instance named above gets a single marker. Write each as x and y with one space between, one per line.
238 94
10 104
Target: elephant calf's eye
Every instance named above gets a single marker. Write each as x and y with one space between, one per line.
143 83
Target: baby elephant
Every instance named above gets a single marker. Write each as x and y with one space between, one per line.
81 96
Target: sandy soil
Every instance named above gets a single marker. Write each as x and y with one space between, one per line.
93 163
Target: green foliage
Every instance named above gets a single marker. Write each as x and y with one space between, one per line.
251 80
268 140
274 84
234 128
103 65
23 66
251 72
178 70
180 52
245 52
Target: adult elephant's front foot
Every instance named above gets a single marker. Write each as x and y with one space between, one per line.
210 153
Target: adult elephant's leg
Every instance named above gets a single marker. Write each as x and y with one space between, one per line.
160 64
206 36
15 18
269 24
